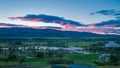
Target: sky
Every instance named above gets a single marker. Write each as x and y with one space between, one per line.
76 10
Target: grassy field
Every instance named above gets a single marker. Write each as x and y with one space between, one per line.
43 62
40 60
4 42
84 59
78 58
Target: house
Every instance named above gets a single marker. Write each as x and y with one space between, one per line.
104 57
111 44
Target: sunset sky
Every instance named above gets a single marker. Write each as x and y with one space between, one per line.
83 11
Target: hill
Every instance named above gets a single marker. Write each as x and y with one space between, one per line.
29 32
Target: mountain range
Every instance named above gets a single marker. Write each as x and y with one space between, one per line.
111 27
30 32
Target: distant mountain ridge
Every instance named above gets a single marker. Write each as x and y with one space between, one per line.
29 32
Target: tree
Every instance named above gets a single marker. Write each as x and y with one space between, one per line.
22 59
17 43
114 58
12 57
39 54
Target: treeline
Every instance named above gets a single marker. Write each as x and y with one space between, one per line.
99 48
89 39
15 53
64 42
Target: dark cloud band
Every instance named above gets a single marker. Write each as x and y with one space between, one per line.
112 12
47 19
109 22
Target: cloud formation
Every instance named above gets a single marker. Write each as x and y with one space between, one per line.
47 19
109 23
112 12
7 24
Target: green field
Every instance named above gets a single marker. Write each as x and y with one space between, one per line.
11 41
84 59
78 59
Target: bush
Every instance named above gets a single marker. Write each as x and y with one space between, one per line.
12 57
39 55
106 63
61 61
114 58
